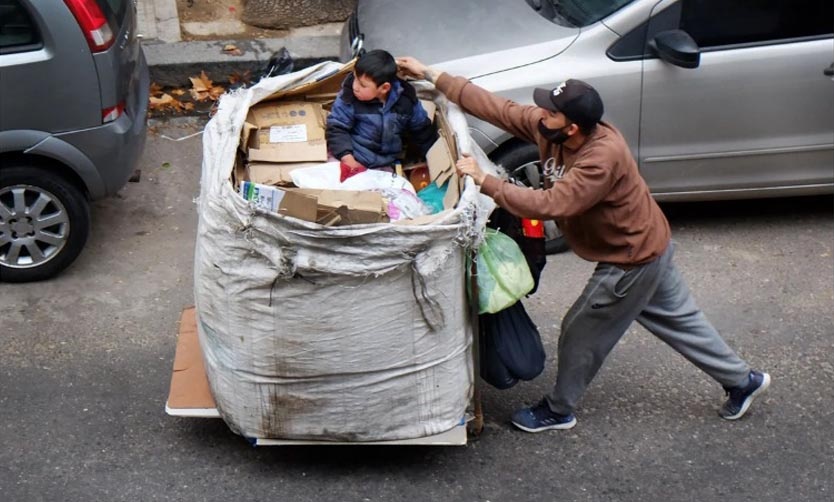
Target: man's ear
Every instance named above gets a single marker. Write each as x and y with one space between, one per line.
385 87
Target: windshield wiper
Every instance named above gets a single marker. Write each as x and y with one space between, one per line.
554 11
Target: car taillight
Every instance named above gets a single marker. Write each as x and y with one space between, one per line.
112 113
93 23
532 228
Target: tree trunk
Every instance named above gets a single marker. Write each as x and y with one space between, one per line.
285 14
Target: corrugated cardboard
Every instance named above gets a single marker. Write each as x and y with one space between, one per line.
285 132
359 207
275 174
439 159
328 84
288 203
189 385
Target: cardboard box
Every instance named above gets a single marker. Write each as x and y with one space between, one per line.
275 174
351 207
280 201
285 132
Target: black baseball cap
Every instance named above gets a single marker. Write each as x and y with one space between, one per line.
576 99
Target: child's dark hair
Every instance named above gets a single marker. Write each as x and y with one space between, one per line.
378 65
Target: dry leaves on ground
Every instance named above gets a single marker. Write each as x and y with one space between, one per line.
204 89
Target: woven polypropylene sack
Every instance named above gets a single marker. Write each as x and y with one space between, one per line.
354 333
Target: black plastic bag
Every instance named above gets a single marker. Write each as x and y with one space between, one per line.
493 370
510 347
280 63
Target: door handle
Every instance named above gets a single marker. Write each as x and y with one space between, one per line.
829 72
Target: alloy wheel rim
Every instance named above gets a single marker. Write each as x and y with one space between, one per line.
34 226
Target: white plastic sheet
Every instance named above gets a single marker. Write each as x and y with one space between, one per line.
354 333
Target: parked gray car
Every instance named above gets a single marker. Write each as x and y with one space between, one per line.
718 99
73 100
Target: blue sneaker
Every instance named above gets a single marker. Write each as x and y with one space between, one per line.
539 418
742 396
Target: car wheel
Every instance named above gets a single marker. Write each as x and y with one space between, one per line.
524 168
44 223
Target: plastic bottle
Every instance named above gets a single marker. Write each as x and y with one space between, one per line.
419 178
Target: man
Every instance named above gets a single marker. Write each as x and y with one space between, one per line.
607 215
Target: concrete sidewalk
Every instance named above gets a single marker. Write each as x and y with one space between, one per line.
173 60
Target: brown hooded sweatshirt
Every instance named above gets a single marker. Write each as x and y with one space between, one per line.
600 202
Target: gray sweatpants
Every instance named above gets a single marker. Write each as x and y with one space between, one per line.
656 296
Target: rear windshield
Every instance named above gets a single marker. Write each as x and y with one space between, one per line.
576 13
114 10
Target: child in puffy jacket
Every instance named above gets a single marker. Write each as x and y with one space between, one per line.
371 113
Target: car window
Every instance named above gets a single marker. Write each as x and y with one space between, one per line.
715 23
18 31
577 13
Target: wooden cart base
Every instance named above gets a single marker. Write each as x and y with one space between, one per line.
190 395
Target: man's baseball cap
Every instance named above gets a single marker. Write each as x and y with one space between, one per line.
576 99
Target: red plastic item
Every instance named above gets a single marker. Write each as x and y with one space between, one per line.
347 171
532 228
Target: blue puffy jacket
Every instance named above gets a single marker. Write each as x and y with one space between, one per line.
372 131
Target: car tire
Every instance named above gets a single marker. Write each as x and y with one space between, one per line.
523 166
44 223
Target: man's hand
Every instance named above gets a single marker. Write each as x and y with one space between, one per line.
351 162
469 166
409 67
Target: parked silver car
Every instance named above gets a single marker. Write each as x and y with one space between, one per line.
718 99
73 99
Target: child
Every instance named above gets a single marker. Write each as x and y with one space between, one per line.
371 113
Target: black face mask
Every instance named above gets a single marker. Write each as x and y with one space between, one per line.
556 136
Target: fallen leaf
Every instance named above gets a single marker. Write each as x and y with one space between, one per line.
164 102
188 106
177 92
201 83
216 92
156 89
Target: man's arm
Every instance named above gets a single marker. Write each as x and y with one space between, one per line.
518 120
581 188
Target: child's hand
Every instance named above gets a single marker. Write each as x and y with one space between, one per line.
350 161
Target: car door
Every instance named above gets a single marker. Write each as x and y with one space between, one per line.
756 114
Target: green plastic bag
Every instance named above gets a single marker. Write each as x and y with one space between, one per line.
503 274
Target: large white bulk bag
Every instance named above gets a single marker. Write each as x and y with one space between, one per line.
352 333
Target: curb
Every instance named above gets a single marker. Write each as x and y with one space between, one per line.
171 64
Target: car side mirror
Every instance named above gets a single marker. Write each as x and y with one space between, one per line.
676 47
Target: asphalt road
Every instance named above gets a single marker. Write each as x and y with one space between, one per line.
85 362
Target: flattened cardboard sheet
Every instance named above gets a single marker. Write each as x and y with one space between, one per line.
189 385
439 160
